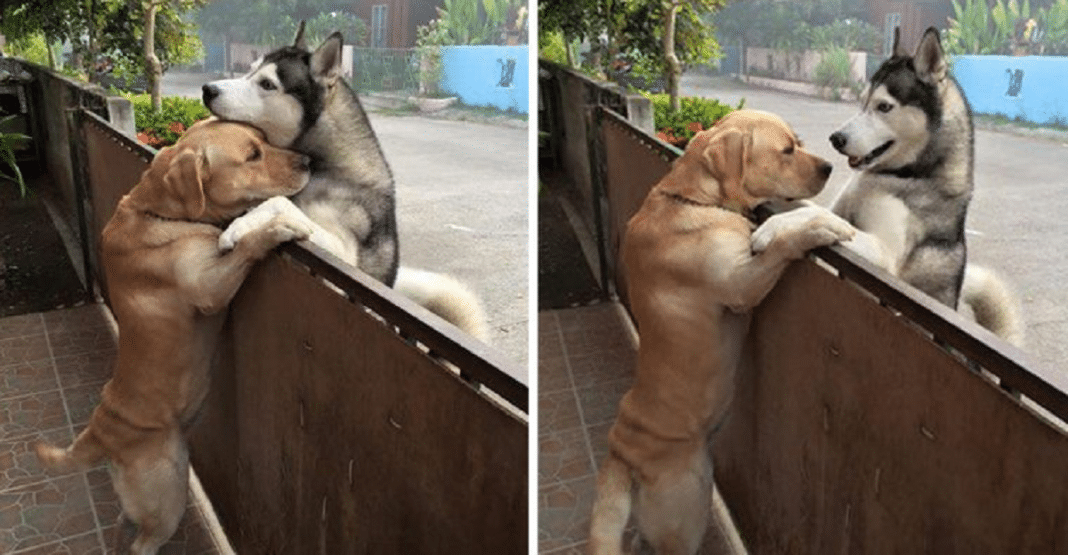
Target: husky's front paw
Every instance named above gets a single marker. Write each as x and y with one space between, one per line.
284 228
255 219
801 230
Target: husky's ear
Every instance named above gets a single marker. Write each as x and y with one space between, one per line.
326 61
898 50
298 42
929 60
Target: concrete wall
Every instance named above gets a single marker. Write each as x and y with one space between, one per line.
1032 88
800 66
494 76
242 55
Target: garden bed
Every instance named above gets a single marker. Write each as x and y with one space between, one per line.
36 274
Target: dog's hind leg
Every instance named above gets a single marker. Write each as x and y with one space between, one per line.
612 508
152 491
673 510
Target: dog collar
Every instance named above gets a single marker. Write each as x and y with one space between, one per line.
156 216
737 207
728 205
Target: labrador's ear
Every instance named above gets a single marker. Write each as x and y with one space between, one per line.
184 185
326 61
725 157
299 42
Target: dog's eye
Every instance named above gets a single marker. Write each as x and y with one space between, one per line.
256 154
788 150
267 85
884 107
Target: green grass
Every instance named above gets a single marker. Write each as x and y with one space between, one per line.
1001 120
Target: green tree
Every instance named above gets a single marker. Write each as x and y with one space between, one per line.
107 32
274 22
662 38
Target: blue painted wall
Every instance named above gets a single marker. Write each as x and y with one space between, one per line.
487 75
1033 88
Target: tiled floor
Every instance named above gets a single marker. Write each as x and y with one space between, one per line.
586 360
52 366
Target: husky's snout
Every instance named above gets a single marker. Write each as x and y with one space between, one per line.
210 92
838 139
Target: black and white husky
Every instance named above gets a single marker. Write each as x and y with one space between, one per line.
299 100
912 143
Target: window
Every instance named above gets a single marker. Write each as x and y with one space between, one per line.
379 19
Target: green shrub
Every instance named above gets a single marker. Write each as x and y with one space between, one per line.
162 125
833 69
551 47
705 111
31 48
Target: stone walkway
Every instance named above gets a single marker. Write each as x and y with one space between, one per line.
52 367
585 363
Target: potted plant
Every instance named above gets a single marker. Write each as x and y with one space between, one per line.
430 38
10 144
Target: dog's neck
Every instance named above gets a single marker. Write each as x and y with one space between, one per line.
162 218
693 186
730 205
342 138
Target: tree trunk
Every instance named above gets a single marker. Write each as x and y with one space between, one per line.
51 53
674 68
153 68
570 53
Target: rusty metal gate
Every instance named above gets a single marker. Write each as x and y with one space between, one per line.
344 418
868 418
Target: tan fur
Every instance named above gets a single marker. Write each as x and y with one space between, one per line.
169 284
692 278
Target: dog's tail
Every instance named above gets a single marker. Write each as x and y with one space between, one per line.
612 508
993 303
85 452
446 297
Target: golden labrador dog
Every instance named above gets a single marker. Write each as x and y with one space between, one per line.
692 277
169 285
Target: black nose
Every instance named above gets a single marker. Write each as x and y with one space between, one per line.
825 169
210 92
838 140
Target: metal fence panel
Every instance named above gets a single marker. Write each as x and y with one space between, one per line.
358 449
852 432
385 69
114 164
634 163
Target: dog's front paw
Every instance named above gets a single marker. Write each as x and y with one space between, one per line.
764 235
283 228
825 229
800 230
254 219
